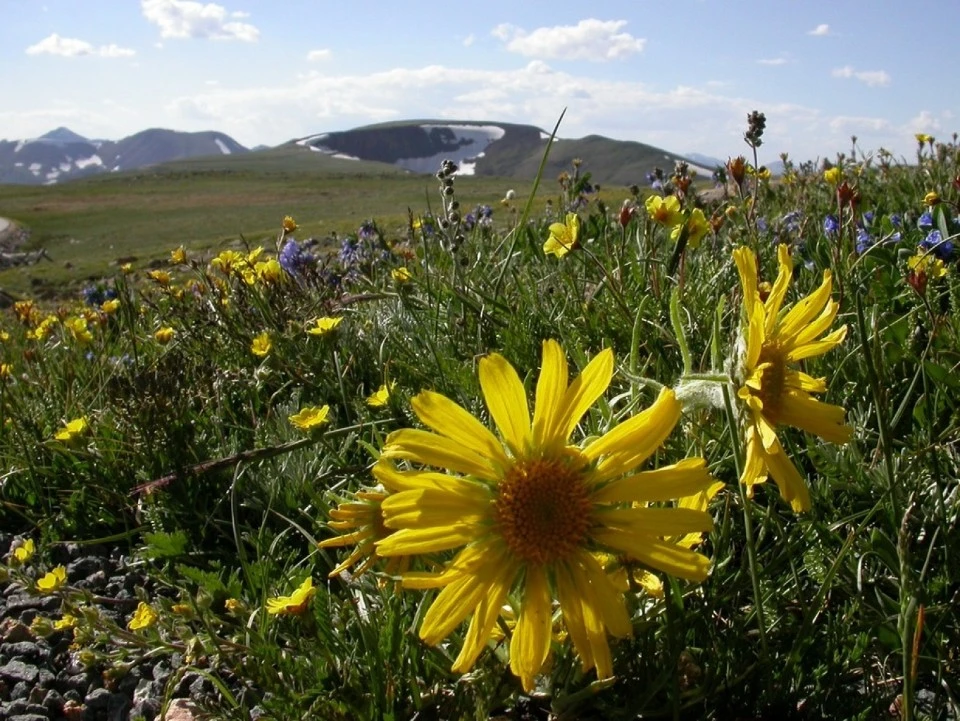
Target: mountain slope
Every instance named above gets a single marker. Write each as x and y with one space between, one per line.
63 155
492 149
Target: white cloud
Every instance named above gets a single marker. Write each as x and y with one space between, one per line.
72 47
315 55
772 61
189 19
819 31
855 124
589 39
469 40
925 122
872 78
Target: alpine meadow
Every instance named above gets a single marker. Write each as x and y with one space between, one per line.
485 448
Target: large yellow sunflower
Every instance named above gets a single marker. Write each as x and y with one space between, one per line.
772 390
529 513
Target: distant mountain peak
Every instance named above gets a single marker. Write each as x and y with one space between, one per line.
63 135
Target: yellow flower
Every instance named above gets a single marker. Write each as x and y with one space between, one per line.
360 523
325 325
531 511
564 237
23 553
233 605
24 310
160 277
53 580
43 329
696 226
270 271
77 327
665 211
310 417
931 198
4 336
832 175
923 138
110 306
144 617
179 256
773 393
65 623
401 275
227 261
763 173
164 335
75 428
289 224
381 396
6 370
294 604
261 345
182 609
927 263
126 268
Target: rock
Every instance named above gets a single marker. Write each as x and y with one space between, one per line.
12 631
97 700
19 671
181 709
24 650
29 717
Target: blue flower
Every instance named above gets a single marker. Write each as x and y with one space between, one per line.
868 218
892 238
294 259
791 221
367 231
926 221
864 241
895 220
934 242
762 224
831 225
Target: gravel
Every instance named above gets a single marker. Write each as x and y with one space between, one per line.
42 679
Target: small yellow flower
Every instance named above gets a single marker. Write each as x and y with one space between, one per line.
310 417
160 277
763 173
261 345
53 580
4 336
179 256
144 617
832 176
6 370
696 226
931 198
270 271
360 524
923 138
381 396
110 306
24 309
294 604
77 327
401 275
126 268
927 263
65 623
182 609
164 335
564 237
233 605
43 329
227 261
23 553
665 211
75 428
289 224
325 325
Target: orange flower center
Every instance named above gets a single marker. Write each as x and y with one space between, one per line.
543 510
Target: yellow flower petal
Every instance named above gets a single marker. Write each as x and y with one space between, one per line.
442 415
507 401
531 638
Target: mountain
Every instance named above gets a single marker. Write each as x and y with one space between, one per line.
706 161
63 155
493 149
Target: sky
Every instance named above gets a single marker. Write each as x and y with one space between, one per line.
681 75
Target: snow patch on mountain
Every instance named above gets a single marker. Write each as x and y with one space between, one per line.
222 145
472 141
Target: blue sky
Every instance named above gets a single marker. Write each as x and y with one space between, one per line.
680 75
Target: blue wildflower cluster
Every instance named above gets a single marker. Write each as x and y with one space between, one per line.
97 295
831 226
296 259
935 243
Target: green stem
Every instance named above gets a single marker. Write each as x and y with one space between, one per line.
748 525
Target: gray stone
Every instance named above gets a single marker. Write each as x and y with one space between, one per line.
97 700
24 650
19 671
30 717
